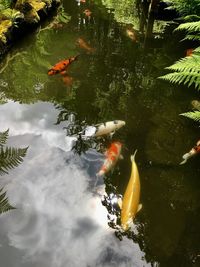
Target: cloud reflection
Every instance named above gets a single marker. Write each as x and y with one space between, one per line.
60 221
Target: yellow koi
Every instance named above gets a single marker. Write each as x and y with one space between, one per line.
130 202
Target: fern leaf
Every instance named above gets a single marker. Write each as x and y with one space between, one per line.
10 158
3 137
189 26
183 77
197 50
187 64
4 204
195 115
193 37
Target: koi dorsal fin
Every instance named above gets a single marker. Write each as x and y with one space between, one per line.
119 201
139 207
133 156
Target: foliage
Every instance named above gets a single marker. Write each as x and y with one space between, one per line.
189 26
9 158
194 115
63 17
5 4
186 7
4 204
187 70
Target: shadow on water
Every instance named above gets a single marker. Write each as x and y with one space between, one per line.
56 190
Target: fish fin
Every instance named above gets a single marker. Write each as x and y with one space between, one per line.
119 202
185 158
139 207
133 156
121 157
111 134
183 162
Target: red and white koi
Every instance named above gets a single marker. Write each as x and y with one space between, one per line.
193 152
112 155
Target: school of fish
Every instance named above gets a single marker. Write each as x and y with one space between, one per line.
130 202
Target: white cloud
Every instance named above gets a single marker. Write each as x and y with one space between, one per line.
59 220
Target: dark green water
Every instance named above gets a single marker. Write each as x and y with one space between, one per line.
59 221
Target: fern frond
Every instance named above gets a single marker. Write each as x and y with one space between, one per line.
195 115
10 158
183 77
197 50
3 137
187 64
193 37
4 204
189 26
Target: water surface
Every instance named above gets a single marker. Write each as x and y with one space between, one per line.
59 220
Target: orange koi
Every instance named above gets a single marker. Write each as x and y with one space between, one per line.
57 25
82 44
61 66
131 34
112 155
68 80
189 52
87 12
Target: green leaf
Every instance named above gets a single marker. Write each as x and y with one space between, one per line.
4 204
3 137
195 115
10 158
189 26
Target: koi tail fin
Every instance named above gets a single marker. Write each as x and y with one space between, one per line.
185 158
133 156
76 57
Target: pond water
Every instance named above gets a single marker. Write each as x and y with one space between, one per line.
60 220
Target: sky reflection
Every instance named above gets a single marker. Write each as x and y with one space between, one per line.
59 220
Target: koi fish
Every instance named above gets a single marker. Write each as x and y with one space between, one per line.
106 128
80 1
195 104
193 152
87 12
112 155
82 44
130 203
68 80
61 66
131 34
189 52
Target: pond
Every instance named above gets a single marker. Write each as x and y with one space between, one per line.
59 218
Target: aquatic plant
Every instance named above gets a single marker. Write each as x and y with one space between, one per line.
9 158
